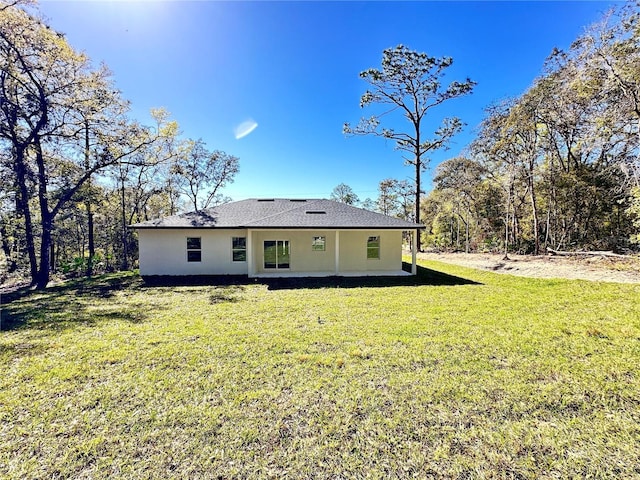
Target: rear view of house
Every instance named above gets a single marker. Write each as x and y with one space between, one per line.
274 238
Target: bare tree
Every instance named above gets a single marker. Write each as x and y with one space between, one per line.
410 82
201 173
343 193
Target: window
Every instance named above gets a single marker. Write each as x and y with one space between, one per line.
318 244
276 253
373 247
194 249
239 249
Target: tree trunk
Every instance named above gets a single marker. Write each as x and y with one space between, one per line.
125 247
22 201
466 224
534 212
87 153
52 255
418 183
547 228
451 241
92 248
506 226
7 248
45 252
46 219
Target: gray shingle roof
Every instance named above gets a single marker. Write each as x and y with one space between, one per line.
281 213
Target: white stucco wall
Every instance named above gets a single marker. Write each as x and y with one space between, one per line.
164 252
303 258
353 250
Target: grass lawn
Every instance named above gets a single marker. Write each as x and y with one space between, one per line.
492 377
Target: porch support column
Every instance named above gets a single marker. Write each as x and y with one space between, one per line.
337 252
414 252
250 266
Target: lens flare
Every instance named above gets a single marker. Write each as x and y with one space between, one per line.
245 128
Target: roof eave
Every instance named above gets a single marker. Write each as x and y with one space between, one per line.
265 227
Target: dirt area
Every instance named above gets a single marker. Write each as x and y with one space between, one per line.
596 268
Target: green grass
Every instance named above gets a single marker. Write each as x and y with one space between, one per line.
502 378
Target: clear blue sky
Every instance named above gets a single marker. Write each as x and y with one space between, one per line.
293 68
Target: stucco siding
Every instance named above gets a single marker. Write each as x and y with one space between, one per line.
353 251
352 246
164 252
303 257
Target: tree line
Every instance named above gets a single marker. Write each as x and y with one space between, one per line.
76 169
557 167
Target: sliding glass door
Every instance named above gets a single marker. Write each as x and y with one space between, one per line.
276 253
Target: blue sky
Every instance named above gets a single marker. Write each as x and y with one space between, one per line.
293 68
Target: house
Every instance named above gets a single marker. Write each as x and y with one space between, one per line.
275 238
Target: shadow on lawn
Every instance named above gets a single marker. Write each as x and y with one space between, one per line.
62 306
74 303
425 276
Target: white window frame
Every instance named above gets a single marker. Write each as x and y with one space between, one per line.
374 248
192 249
277 265
235 250
319 243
